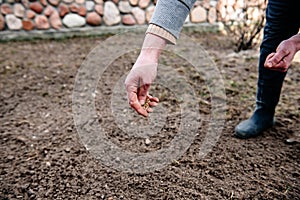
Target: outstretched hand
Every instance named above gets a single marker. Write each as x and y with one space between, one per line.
137 85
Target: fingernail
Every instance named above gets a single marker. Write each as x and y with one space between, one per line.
269 64
142 102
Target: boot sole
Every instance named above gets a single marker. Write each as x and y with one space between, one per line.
242 136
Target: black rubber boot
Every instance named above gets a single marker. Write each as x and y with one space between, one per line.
267 97
263 116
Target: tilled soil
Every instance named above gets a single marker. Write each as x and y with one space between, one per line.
43 157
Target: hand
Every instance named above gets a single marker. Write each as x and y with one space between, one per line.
143 74
283 57
137 84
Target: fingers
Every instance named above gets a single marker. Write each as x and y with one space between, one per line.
135 104
278 61
268 63
281 66
142 93
279 55
137 84
153 99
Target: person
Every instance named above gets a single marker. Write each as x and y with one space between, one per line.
282 22
281 60
278 61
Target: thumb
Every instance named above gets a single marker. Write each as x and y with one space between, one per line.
268 63
278 56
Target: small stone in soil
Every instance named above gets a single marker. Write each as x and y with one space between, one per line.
68 149
10 157
147 141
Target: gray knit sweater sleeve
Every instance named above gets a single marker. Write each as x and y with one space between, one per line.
171 14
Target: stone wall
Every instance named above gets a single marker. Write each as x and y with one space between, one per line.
29 15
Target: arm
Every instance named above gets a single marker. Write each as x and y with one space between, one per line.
170 16
165 26
143 73
285 52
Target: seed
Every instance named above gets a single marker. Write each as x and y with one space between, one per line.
146 104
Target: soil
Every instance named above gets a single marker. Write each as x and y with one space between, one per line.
42 156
